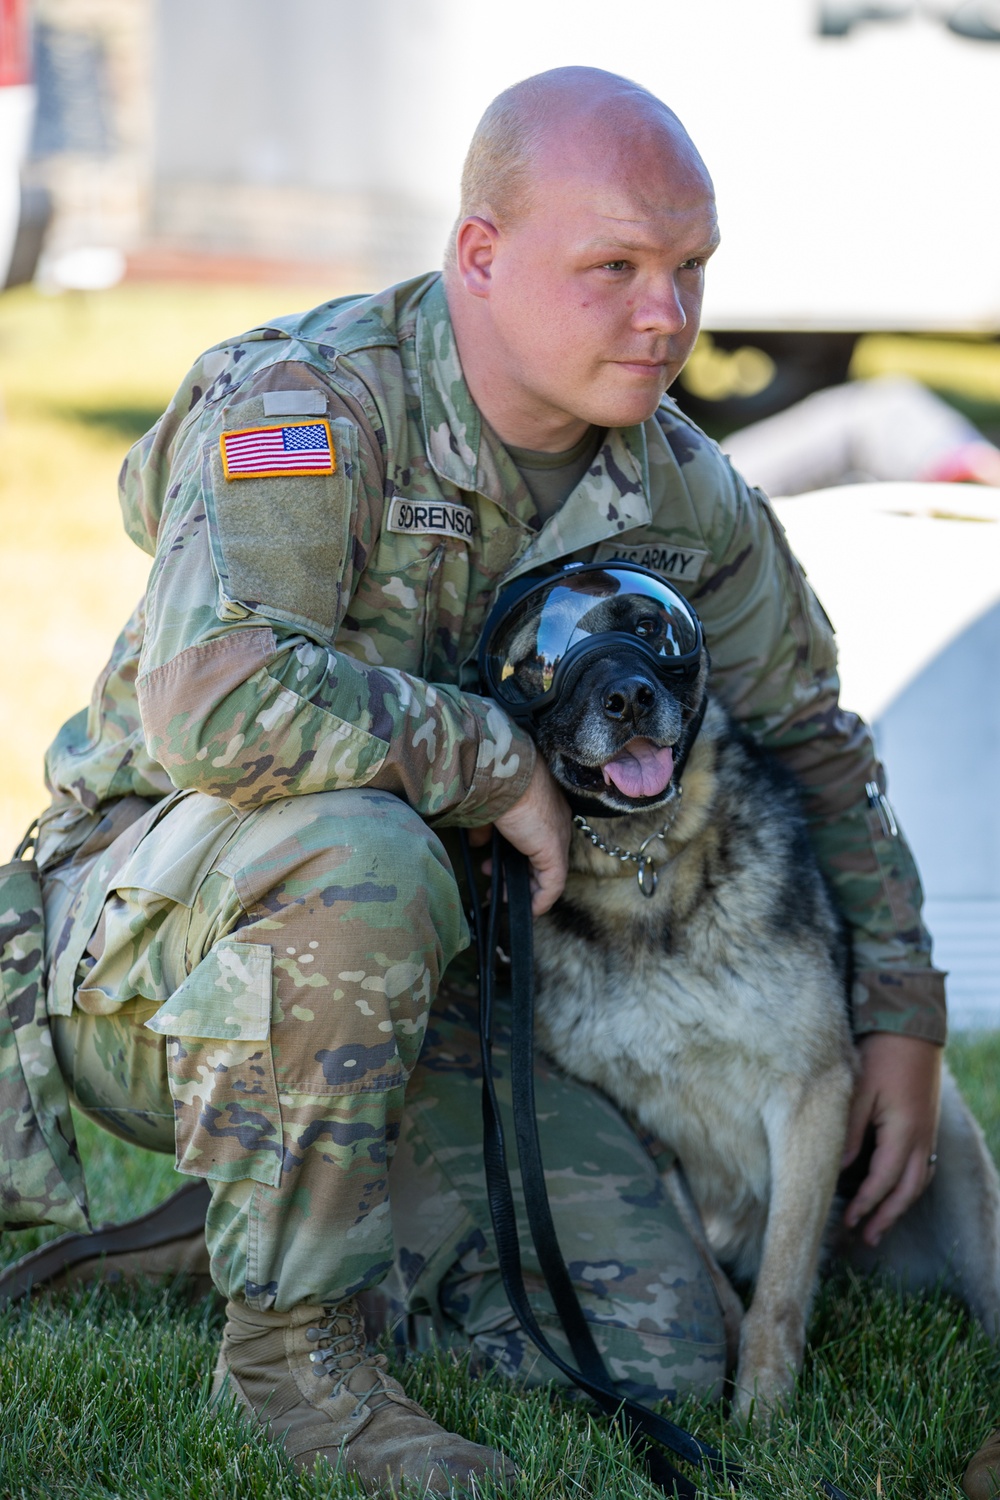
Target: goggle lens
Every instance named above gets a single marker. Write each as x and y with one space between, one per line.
535 635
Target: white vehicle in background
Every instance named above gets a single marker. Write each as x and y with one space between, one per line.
854 147
24 211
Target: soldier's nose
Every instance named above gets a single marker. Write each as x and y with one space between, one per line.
629 699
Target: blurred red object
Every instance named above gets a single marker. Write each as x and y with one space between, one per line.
15 50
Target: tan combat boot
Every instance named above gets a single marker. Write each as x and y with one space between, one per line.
981 1480
308 1379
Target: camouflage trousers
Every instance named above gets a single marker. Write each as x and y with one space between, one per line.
251 990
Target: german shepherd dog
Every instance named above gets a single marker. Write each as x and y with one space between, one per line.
714 1010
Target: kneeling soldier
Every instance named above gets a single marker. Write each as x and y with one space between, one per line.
249 898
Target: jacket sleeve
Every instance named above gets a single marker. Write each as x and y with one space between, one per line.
775 667
242 691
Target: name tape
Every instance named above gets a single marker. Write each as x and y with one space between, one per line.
672 562
435 517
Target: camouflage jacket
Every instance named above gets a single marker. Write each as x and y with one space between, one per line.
313 626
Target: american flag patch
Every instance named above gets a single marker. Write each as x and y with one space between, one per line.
295 448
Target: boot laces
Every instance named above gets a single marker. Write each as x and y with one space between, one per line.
341 1349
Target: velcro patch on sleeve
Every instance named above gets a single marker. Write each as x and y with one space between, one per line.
309 403
265 452
434 517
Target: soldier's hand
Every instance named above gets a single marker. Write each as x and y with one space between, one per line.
898 1094
539 824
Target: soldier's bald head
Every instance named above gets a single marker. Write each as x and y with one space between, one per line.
576 272
551 122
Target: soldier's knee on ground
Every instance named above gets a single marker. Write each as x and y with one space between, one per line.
667 1343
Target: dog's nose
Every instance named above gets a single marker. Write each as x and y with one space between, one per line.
629 699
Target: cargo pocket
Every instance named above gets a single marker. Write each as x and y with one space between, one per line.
227 1119
41 1179
137 942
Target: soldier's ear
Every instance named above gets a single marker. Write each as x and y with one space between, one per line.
475 249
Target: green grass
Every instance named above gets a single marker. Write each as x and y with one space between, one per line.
104 1392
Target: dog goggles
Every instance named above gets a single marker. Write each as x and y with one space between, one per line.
540 632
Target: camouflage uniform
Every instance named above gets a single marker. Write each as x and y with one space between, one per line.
305 654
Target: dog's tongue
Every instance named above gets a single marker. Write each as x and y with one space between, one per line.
642 770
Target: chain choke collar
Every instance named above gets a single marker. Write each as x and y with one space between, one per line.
646 873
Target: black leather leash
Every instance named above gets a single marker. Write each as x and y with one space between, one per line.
648 1432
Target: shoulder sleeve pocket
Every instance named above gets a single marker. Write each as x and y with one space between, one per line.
281 534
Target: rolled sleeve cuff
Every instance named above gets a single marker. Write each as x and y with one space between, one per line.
505 761
910 1002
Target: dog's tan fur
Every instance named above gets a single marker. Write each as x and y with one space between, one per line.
714 1013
